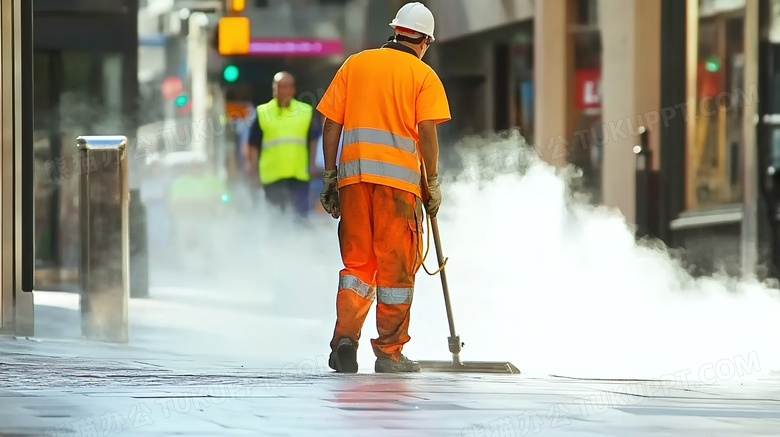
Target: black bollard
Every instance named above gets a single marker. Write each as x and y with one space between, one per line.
644 169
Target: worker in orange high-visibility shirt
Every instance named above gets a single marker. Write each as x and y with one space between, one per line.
388 102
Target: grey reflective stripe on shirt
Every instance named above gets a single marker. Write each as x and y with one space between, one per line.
378 168
276 142
350 282
394 295
379 136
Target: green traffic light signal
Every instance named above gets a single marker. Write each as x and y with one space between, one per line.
180 101
712 64
230 73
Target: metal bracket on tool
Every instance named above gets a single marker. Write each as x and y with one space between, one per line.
455 344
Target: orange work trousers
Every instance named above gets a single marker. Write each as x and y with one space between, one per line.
381 246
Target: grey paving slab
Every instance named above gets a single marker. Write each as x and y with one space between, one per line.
127 399
159 386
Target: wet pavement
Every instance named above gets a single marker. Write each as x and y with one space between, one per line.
159 385
53 395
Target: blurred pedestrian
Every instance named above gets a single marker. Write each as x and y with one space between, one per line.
388 102
282 141
243 128
319 171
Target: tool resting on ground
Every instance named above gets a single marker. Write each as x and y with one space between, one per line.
455 345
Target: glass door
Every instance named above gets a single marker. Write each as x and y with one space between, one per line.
76 93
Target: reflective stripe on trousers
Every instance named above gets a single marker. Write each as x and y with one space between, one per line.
394 295
350 282
378 168
379 136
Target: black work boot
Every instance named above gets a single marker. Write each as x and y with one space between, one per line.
389 365
343 359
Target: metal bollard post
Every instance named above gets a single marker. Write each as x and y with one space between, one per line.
103 209
642 194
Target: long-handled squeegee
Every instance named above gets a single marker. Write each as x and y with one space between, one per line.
455 345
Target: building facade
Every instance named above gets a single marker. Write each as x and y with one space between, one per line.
532 66
716 190
609 78
17 256
308 38
484 56
85 75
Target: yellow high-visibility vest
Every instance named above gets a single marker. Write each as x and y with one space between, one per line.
284 153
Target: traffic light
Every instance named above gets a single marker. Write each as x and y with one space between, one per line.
230 73
233 36
713 64
181 101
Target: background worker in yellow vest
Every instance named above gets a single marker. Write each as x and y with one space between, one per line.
282 141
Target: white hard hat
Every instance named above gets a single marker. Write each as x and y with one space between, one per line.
415 16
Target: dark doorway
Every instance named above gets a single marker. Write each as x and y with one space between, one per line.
501 77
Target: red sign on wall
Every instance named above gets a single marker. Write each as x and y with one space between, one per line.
587 92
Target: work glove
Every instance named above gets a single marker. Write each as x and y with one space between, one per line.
433 201
330 193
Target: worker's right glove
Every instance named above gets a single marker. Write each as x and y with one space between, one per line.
433 201
330 193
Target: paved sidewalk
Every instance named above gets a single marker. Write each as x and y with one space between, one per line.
176 377
52 395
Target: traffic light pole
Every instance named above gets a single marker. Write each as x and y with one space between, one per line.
170 114
749 232
197 45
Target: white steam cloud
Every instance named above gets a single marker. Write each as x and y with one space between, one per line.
537 277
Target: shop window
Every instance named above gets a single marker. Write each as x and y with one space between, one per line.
44 246
586 143
714 170
75 93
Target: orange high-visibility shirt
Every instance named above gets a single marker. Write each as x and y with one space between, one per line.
380 95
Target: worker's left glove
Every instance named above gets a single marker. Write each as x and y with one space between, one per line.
330 193
433 201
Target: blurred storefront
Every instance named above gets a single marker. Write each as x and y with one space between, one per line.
586 145
670 79
708 203
655 101
484 54
713 160
539 67
768 135
85 56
